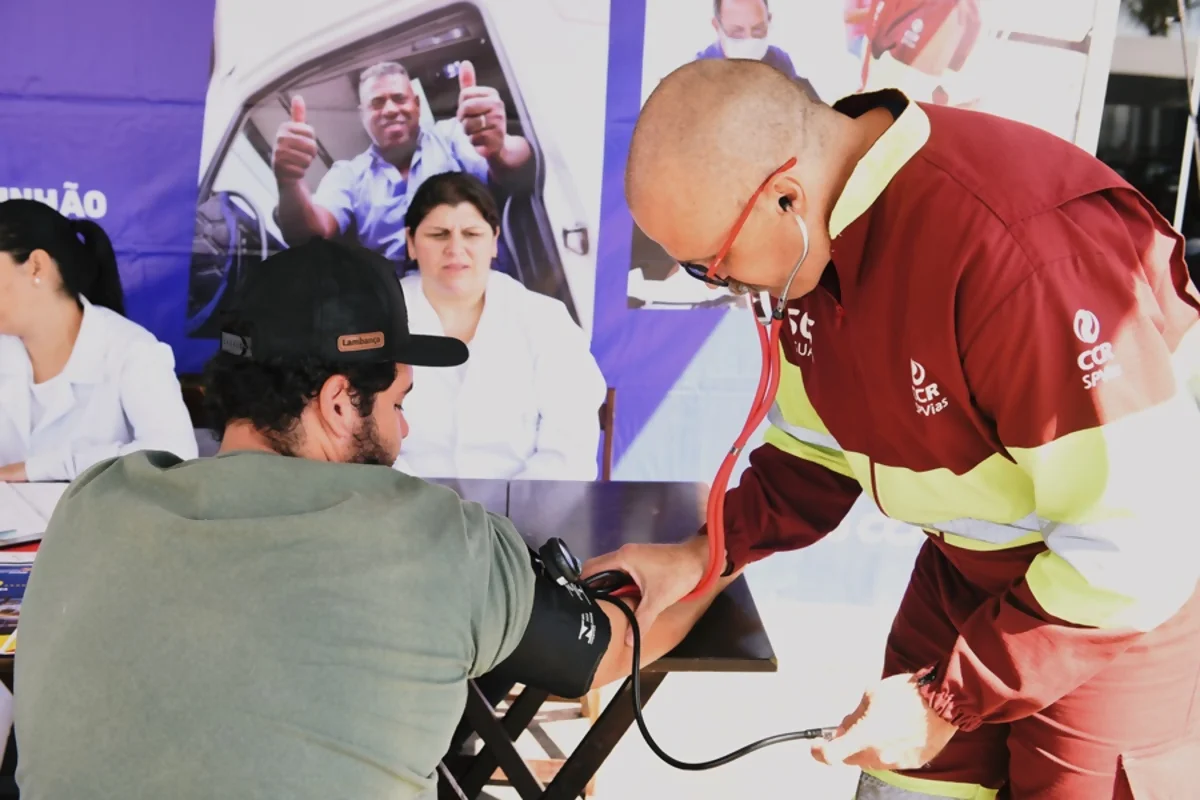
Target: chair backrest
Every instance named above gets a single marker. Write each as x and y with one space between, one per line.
608 415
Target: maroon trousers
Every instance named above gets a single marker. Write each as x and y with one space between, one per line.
1130 733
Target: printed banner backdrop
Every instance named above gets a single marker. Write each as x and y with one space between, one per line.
160 121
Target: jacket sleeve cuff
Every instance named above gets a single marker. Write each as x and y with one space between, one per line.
1013 659
740 552
940 698
730 565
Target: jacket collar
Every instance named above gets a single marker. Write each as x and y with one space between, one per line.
86 364
851 217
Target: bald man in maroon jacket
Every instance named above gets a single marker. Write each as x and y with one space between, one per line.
995 338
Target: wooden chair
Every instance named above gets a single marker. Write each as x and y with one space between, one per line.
587 707
448 788
608 416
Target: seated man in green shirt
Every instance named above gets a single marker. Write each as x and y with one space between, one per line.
292 618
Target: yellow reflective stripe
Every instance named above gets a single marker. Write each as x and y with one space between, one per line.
1063 592
861 466
875 170
1117 503
995 490
988 531
1135 466
965 543
776 418
830 459
792 399
794 411
951 789
983 535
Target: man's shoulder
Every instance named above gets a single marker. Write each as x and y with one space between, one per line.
352 170
1016 170
107 479
530 310
120 328
448 134
519 296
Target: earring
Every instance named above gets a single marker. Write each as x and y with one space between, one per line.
37 279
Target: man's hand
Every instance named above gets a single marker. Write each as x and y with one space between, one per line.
663 572
481 112
892 728
295 146
13 473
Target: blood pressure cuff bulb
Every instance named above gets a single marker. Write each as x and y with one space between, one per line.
564 641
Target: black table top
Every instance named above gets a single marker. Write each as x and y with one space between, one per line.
596 518
492 495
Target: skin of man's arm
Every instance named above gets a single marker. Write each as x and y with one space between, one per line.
513 157
667 632
300 218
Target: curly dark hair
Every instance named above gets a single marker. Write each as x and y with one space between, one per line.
271 395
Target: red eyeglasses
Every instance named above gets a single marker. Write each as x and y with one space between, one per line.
709 274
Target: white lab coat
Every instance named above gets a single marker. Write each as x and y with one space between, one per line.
117 394
524 406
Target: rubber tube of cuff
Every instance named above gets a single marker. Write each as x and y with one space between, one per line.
636 679
764 397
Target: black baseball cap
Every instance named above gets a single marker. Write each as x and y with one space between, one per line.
337 302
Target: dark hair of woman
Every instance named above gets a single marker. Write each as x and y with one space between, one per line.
451 189
81 249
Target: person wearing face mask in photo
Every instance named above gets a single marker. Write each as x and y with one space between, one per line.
743 31
526 404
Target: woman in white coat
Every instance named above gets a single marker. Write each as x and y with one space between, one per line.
526 403
79 383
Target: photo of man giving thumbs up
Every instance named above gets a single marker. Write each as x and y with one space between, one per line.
367 196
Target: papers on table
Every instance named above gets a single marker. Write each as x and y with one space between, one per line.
25 508
42 496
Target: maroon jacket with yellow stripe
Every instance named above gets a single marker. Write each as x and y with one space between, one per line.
1004 351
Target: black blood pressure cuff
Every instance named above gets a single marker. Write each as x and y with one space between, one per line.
567 636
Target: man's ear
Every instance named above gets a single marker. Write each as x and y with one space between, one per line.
335 408
791 196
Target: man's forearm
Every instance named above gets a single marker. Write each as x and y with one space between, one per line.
513 157
783 502
667 632
300 218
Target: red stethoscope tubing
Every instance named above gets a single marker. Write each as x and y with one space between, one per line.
769 328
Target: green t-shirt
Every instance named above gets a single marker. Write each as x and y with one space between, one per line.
257 626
